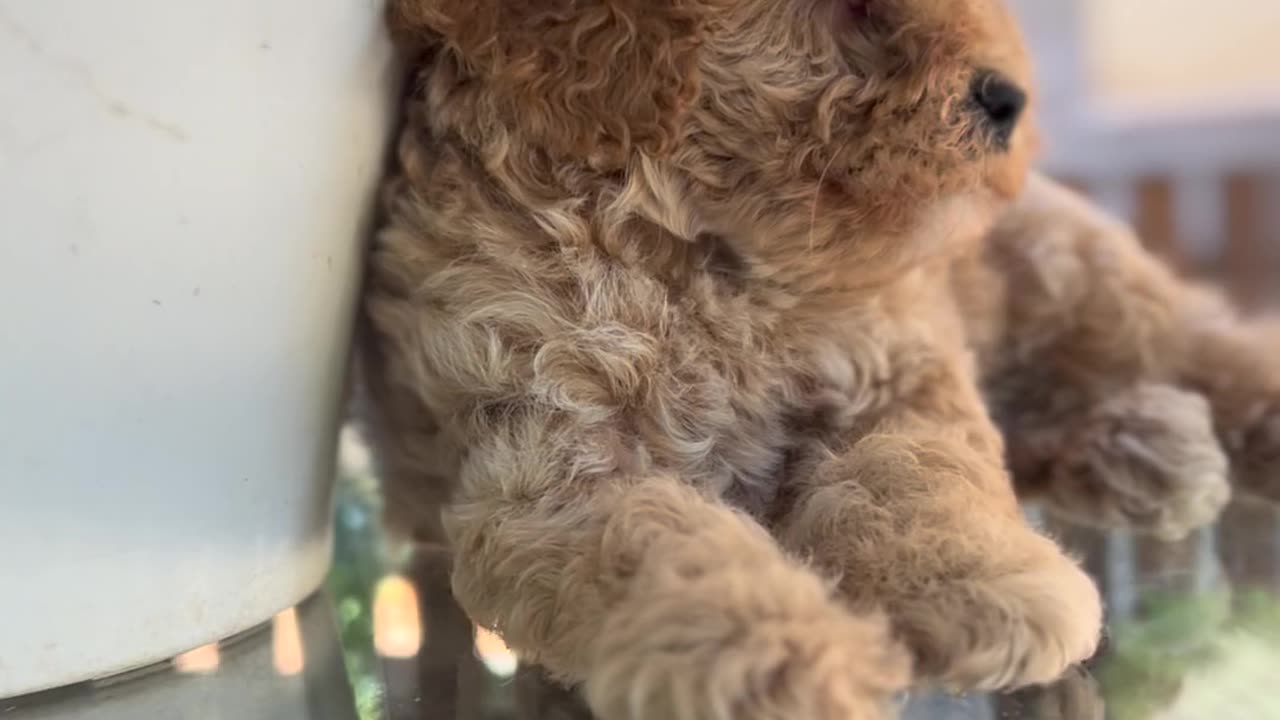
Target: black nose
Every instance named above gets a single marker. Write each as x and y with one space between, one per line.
1001 104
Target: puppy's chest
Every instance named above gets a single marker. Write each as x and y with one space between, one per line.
815 392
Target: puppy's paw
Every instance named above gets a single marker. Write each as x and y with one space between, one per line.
1146 459
820 665
1005 632
1255 454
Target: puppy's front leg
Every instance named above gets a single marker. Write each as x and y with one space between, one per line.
918 516
662 601
1117 351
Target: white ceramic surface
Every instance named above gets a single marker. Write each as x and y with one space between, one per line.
183 189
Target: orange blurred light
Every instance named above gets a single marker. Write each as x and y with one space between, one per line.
495 654
286 643
200 661
397 623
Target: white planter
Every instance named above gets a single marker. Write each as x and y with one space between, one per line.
184 187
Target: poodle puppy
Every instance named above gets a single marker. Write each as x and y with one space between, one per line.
664 311
1126 394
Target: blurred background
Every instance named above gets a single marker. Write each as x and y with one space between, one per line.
1167 112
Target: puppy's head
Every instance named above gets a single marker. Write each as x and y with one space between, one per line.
820 137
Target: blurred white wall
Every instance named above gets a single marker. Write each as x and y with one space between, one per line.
1168 113
1182 51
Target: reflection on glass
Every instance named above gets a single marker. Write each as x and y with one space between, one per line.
286 644
397 629
201 661
495 654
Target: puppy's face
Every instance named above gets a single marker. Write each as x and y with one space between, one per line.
849 130
821 137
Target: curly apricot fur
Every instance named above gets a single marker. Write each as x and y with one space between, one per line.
684 312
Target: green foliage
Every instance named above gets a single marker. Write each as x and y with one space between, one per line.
359 561
1179 637
1151 657
1257 612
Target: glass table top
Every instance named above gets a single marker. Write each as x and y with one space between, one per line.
1193 634
289 669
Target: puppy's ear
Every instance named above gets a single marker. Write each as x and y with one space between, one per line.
590 79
